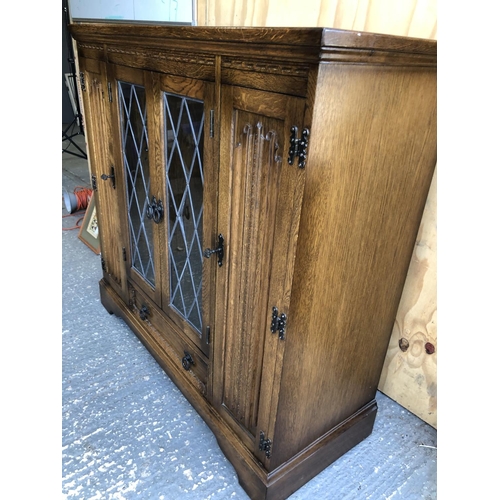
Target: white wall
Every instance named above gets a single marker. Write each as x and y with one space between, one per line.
133 10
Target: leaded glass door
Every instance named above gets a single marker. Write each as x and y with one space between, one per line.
189 189
168 187
136 182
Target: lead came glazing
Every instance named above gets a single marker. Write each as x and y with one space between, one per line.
132 100
184 152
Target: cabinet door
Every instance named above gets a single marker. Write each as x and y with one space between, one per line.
259 208
169 187
188 183
100 143
133 111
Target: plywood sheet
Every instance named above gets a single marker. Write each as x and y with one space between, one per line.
409 375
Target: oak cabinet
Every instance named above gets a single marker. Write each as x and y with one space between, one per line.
259 192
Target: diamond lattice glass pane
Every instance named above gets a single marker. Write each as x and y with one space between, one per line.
184 153
136 162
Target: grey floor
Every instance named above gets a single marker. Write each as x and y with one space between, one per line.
128 432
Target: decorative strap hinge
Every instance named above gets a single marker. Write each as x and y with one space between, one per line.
265 444
278 323
82 81
298 147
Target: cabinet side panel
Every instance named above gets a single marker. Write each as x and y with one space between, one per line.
371 158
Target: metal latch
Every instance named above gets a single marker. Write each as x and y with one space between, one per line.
219 251
111 176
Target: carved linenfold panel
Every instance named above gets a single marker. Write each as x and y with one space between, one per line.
274 146
257 169
255 141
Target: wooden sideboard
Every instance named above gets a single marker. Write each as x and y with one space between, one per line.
259 193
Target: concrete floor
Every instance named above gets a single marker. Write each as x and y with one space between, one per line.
129 433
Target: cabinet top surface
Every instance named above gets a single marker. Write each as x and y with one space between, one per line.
301 38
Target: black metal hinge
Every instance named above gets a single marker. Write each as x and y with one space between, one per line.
124 254
103 264
211 123
278 323
94 183
110 93
265 444
298 147
207 330
82 81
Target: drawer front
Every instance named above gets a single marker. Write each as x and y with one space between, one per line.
176 348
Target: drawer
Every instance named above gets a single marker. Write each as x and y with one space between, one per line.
176 348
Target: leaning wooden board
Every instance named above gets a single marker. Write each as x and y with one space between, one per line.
409 375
